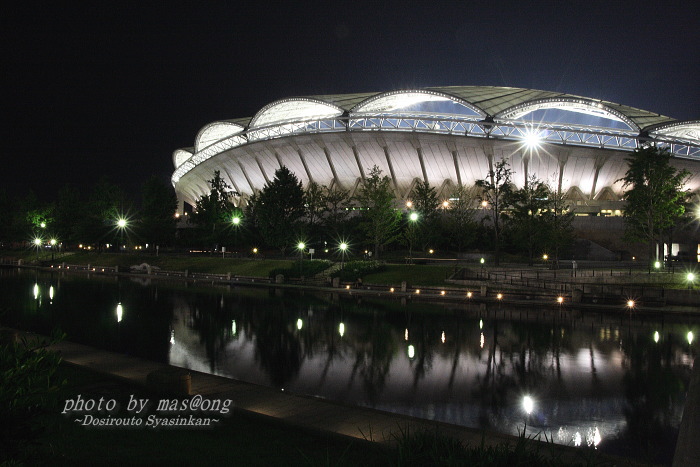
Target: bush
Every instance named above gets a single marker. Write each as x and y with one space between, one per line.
308 268
27 391
352 270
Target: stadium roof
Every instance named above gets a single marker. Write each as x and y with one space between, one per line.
495 101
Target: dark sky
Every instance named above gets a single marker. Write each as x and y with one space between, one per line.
95 89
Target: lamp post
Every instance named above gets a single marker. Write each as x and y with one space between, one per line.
236 221
301 247
343 247
121 225
37 243
413 218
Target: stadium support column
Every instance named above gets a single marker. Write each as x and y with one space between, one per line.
323 146
349 141
526 155
488 152
384 146
452 147
562 158
419 151
303 162
599 163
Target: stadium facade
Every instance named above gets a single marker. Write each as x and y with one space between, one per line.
446 136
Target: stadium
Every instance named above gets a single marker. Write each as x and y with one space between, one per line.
446 136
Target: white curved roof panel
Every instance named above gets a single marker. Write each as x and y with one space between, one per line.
180 156
214 132
294 109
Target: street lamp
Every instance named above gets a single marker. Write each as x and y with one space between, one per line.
343 247
121 225
690 277
53 245
413 217
37 243
301 247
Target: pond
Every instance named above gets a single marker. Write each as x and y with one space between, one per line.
611 381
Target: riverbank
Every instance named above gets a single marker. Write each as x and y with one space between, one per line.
602 287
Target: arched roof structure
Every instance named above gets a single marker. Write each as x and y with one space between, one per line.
445 135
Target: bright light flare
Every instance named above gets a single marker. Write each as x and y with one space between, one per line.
532 139
300 324
413 216
121 223
120 312
411 351
528 405
341 329
690 337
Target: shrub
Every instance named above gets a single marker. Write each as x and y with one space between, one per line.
27 390
355 269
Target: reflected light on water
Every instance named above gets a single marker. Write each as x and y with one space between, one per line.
36 291
481 324
442 337
656 336
341 329
411 351
690 337
300 324
120 311
51 292
172 336
528 404
481 341
233 327
405 334
577 439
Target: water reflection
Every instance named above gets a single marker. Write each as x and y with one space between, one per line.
586 379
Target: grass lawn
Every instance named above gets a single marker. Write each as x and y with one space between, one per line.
211 264
239 440
413 274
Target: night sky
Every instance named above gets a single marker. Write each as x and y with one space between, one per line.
107 90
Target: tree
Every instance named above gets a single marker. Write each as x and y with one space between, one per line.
380 219
213 212
655 196
460 217
279 208
68 214
314 206
100 213
559 224
337 213
425 203
528 205
159 204
495 190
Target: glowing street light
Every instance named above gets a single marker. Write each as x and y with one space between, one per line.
343 248
690 277
413 217
43 225
37 244
657 264
300 247
121 225
235 220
